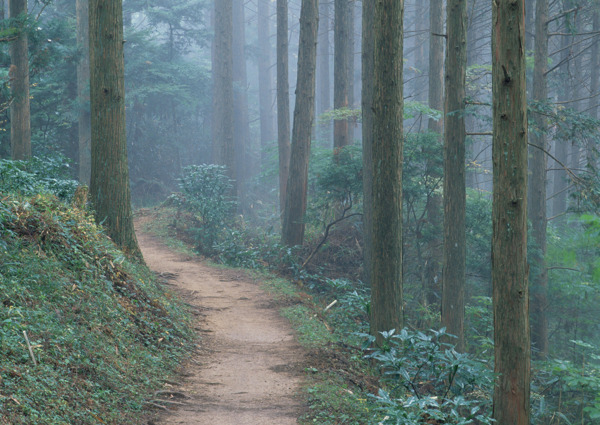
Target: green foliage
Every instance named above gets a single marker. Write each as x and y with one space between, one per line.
48 175
103 332
568 389
412 109
427 380
206 193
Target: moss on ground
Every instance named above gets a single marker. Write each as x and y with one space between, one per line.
104 333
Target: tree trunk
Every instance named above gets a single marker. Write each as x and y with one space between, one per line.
83 91
109 185
386 197
241 124
265 82
453 278
20 120
222 74
283 101
561 146
591 156
432 274
537 187
367 132
323 68
367 58
295 200
509 215
343 66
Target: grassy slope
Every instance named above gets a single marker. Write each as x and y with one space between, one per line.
104 333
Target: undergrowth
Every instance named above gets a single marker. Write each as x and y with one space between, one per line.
103 333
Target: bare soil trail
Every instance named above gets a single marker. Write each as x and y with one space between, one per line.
249 367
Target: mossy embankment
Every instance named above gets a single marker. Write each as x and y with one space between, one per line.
103 332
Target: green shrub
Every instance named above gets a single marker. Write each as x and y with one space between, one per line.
427 380
49 175
206 192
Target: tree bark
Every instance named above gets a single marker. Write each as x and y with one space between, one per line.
591 156
509 215
537 187
222 74
343 66
295 200
386 197
432 275
367 58
265 82
241 124
109 185
20 119
283 101
323 68
454 262
83 91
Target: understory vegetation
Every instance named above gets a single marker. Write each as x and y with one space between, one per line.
416 377
86 335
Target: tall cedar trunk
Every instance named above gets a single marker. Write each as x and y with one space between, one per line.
537 187
436 101
265 82
283 101
343 65
453 278
222 74
323 68
421 40
386 197
561 146
83 91
591 156
109 185
509 215
367 58
295 199
20 121
241 125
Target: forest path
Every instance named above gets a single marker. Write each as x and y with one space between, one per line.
248 369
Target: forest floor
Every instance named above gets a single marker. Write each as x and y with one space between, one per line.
248 368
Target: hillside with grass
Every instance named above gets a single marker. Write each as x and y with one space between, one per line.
87 335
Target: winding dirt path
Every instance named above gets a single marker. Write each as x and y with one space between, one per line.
248 369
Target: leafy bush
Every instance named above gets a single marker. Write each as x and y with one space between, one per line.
569 390
206 192
427 380
49 175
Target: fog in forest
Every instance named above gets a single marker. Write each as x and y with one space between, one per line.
209 136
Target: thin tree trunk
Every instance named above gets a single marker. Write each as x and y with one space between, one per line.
109 185
222 74
367 132
436 101
265 82
83 91
241 124
509 216
295 200
591 156
323 68
386 197
283 101
537 187
454 263
343 65
20 120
